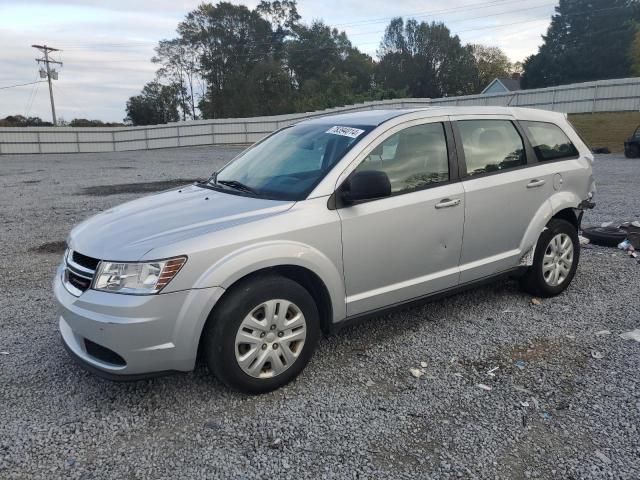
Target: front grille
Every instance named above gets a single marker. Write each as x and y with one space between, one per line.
79 272
103 353
84 261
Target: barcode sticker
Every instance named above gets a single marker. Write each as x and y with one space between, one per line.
345 131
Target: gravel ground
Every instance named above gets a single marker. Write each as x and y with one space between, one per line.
564 400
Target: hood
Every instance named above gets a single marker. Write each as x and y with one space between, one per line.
130 230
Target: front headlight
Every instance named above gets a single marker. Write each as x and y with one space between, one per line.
136 278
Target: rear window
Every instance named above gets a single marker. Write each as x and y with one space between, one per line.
549 141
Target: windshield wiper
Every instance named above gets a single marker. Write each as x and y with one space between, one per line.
238 186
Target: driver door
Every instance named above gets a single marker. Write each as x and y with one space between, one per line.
406 245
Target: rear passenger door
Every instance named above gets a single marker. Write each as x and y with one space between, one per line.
503 191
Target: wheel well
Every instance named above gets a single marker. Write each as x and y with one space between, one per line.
570 216
305 277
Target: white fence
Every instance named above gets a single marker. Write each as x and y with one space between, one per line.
603 96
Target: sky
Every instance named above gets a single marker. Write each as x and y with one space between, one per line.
107 45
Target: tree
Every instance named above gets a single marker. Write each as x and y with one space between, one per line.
424 60
22 121
635 53
83 122
584 43
491 63
179 66
156 104
231 40
327 70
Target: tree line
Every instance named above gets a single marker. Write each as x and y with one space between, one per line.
22 121
231 61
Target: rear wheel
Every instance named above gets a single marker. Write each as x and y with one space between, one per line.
262 334
555 260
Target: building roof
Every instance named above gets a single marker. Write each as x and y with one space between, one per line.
509 84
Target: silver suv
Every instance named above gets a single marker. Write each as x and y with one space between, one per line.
321 223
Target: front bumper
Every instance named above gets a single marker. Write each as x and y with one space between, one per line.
129 336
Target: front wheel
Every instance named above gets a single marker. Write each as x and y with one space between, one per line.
555 260
262 334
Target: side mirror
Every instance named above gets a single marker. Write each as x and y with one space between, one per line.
366 185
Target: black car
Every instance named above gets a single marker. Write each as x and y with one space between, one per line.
632 145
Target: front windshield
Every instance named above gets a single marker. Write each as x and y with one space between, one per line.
290 163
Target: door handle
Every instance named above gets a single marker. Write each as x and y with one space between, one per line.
535 183
446 203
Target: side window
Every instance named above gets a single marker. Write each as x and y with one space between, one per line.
491 145
549 141
412 158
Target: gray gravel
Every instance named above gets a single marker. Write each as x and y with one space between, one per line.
553 411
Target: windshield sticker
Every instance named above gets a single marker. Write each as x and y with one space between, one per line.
345 131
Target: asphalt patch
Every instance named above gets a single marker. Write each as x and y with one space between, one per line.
50 247
143 187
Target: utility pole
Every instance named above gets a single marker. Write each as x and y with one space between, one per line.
49 73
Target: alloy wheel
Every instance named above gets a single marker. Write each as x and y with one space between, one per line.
558 260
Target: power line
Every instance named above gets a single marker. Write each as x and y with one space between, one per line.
32 98
21 84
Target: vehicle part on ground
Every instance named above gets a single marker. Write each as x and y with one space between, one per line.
609 236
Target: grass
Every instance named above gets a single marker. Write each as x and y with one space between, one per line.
606 129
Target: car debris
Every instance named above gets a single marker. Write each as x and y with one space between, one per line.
603 332
632 335
484 387
626 246
416 372
597 355
491 372
520 364
536 301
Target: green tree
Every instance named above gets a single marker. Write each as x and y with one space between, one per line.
231 40
491 63
634 54
584 43
424 60
326 69
179 66
156 104
22 121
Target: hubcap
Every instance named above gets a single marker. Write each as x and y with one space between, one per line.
270 338
558 259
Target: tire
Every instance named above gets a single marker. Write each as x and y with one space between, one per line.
535 281
605 236
632 151
238 317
